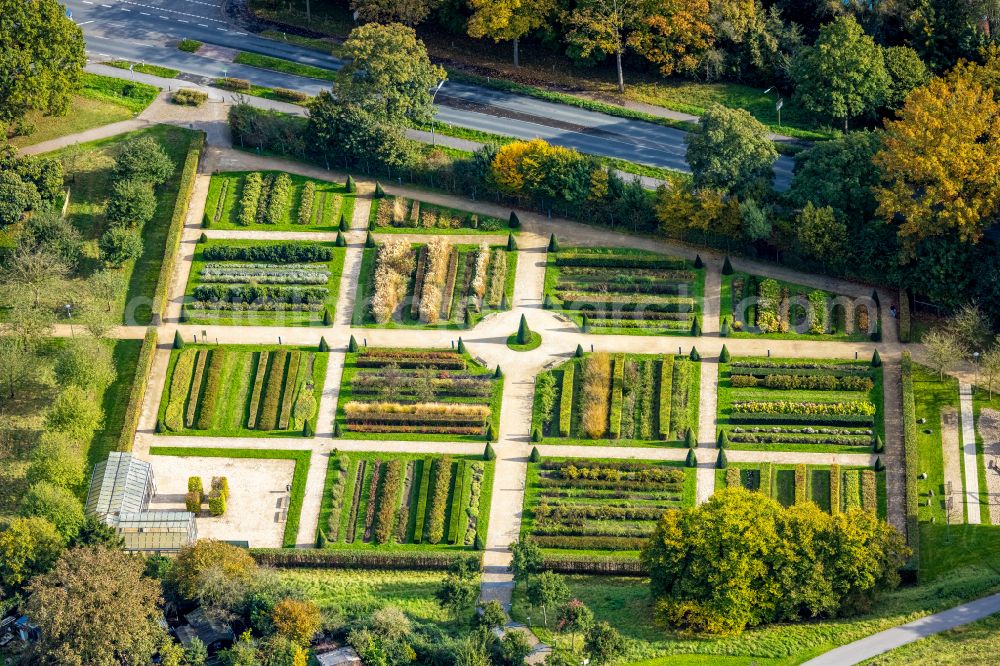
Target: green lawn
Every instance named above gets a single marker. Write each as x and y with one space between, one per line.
336 521
945 548
931 396
101 100
403 318
625 604
142 68
261 317
237 388
742 317
473 368
284 66
331 202
970 645
299 476
728 394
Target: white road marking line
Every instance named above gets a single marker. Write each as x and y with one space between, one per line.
145 13
85 22
172 11
87 2
165 18
202 25
182 21
104 5
222 29
125 10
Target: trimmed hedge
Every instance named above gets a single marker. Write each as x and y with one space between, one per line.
566 401
835 480
281 253
438 499
617 387
800 484
212 389
389 494
291 379
910 458
353 559
176 228
595 566
425 484
268 419
195 393
258 386
844 420
455 522
618 261
904 316
666 393
138 391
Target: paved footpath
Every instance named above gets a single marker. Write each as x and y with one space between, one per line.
882 642
705 474
970 464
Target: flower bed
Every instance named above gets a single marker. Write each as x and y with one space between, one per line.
601 505
832 488
242 390
638 399
395 214
276 200
624 291
404 501
417 394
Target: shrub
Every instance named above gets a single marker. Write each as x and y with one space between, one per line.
535 455
253 186
904 316
869 494
120 245
190 410
489 453
691 460
440 485
279 199
178 340
143 159
876 359
189 97
497 281
490 433
220 484
192 501
351 185
212 389
180 383
288 392
132 203
694 355
389 491
258 386
727 266
566 400
230 83
800 484
268 419
189 45
835 480
720 461
723 441
293 96
379 192
596 385
216 503
617 386
665 395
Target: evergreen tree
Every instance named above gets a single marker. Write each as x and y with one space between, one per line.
491 435
504 303
497 374
879 465
876 359
379 192
488 452
321 540
698 263
344 226
351 185
579 351
727 266
352 345
549 304
523 332
514 222
511 245
324 346
691 460
479 545
694 355
695 328
203 238
461 346
341 241
535 455
553 243
689 439
307 429
178 340
586 323
327 317
369 240
337 430
879 445
724 355
720 462
723 440
724 329
536 435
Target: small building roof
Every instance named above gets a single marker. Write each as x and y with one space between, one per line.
157 530
119 484
343 656
207 630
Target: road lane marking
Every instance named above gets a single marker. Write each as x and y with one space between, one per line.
87 2
85 22
202 25
145 13
182 21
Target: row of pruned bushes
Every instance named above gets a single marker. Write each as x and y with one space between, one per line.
279 253
354 559
803 382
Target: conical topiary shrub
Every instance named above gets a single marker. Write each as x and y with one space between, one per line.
691 460
721 462
698 263
875 297
724 328
879 465
579 351
585 324
491 434
369 240
324 346
553 243
514 222
879 445
876 359
203 238
379 192
694 355
727 266
351 185
536 435
724 355
689 439
321 540
723 440
497 374
327 317
511 245
340 241
344 226
695 328
337 430
523 332
535 455
489 453
352 345
307 429
479 545
461 346
548 304
178 340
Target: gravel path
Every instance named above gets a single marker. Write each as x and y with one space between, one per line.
951 456
970 464
989 430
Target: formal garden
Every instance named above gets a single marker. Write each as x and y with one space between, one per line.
624 291
833 488
417 394
409 501
438 283
579 506
242 390
819 405
277 201
626 399
397 214
754 305
263 283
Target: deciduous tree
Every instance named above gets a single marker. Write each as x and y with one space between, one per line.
143 159
906 71
28 546
820 234
608 27
508 20
941 162
297 620
41 57
730 150
407 12
57 505
675 35
388 74
548 590
843 74
943 349
604 643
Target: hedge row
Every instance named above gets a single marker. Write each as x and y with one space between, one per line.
834 371
213 386
910 458
138 392
803 382
180 384
800 483
425 484
590 542
195 393
291 378
760 364
596 566
258 293
845 420
680 381
578 512
666 395
389 493
352 559
457 513
869 494
617 387
441 484
174 231
858 407
258 387
617 261
279 199
280 253
566 401
268 419
835 481
600 307
253 186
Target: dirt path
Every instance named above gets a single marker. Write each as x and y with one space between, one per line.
989 430
951 456
895 476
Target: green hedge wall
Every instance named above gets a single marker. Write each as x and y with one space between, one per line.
138 393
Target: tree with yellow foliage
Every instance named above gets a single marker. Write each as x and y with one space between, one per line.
941 161
297 620
503 20
675 35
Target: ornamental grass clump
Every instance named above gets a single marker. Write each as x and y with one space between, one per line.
393 266
595 398
438 254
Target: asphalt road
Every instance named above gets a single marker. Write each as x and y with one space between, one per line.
146 30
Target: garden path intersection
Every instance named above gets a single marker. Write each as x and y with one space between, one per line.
487 342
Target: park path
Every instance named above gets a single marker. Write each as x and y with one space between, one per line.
970 464
882 642
895 475
707 425
954 495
